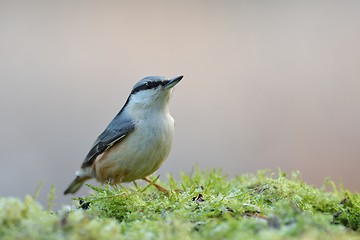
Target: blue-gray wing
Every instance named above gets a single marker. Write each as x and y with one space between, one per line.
117 130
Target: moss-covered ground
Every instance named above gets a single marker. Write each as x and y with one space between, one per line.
205 205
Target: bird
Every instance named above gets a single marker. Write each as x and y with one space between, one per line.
138 139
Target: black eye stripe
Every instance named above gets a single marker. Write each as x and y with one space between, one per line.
148 85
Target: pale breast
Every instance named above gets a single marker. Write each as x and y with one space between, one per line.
139 154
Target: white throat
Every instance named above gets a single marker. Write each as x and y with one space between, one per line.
149 104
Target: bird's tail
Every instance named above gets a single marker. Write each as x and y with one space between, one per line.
76 184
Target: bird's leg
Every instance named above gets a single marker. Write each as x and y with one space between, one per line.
160 188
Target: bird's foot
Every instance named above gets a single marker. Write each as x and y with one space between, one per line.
158 187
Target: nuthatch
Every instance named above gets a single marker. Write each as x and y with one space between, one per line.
137 141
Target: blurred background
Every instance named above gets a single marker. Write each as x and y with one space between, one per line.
268 85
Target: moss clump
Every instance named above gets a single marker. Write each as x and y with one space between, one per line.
209 206
27 220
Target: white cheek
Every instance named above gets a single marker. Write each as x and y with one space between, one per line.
144 96
145 103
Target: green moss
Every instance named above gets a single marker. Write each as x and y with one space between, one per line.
209 206
27 220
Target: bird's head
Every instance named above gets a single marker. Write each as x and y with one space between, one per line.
152 92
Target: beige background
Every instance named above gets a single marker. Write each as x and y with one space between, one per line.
267 84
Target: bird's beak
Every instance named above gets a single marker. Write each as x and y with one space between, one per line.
172 82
